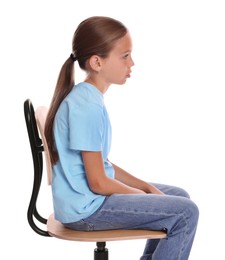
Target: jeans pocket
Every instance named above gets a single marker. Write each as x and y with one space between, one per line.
80 225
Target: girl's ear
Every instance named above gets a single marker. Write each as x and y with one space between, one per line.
95 63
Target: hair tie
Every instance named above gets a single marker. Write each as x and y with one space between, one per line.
73 57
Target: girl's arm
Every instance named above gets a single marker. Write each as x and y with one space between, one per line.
128 179
99 182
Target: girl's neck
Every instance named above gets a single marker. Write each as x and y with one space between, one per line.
101 86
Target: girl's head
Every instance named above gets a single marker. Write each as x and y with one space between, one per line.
94 36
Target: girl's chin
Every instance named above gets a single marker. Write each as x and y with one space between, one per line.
121 82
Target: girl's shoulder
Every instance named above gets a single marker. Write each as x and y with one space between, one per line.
85 93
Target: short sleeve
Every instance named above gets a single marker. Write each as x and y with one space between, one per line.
86 127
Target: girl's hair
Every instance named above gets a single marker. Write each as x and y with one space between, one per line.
94 36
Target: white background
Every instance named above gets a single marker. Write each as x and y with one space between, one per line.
168 119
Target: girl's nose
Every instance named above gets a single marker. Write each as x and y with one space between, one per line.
131 63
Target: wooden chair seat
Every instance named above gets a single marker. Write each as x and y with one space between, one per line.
56 229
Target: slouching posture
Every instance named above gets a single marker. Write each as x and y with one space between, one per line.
89 191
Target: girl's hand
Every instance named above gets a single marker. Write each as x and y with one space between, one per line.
152 189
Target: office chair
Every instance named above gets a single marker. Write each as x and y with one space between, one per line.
35 121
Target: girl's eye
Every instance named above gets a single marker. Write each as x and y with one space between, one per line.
126 56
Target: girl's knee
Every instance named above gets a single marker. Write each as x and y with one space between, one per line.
193 212
187 217
196 213
181 192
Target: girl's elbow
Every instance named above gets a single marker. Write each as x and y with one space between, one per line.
96 187
99 187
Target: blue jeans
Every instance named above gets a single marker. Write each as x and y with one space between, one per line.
174 212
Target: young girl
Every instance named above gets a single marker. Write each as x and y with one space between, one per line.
89 191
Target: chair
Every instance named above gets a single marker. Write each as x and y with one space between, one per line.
35 127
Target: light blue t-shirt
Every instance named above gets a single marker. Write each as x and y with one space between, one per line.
81 124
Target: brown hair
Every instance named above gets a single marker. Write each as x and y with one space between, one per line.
94 36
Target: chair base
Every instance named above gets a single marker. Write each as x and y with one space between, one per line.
101 252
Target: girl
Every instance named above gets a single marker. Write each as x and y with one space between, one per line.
89 191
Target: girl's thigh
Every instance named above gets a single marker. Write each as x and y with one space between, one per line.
137 211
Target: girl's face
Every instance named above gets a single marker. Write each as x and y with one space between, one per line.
116 68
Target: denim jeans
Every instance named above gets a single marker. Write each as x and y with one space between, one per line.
174 212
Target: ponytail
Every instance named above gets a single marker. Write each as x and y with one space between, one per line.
64 85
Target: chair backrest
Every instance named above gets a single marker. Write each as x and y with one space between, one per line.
37 148
41 114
